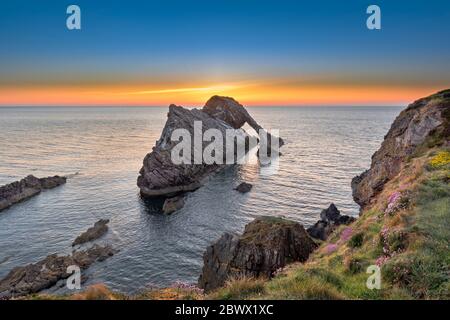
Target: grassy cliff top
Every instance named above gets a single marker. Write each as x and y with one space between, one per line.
406 232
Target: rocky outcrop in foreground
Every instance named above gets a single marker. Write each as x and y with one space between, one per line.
98 230
159 176
330 219
28 187
427 118
266 245
46 273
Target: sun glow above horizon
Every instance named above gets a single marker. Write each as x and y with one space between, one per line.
249 94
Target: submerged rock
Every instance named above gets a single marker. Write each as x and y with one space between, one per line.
93 233
425 121
160 176
331 218
266 245
173 204
46 273
244 187
28 187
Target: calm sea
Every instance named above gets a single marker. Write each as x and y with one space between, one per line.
103 149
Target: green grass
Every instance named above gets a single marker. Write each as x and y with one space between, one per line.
424 269
356 240
241 288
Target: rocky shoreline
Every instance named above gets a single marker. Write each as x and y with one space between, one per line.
26 188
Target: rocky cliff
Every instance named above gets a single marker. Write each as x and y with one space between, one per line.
160 176
425 120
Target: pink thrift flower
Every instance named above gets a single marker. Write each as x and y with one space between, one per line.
331 248
346 234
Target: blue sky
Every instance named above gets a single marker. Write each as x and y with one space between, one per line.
170 42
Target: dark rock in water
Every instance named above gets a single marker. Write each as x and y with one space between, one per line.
330 214
160 176
173 204
46 273
244 187
93 233
422 121
266 245
28 187
321 230
330 219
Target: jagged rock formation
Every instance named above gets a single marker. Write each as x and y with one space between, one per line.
28 187
330 219
266 245
159 176
98 230
427 120
46 273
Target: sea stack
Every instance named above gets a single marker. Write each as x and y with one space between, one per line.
160 176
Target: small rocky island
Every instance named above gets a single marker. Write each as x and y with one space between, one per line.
159 176
330 219
93 233
26 188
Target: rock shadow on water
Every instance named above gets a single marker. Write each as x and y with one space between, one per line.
152 206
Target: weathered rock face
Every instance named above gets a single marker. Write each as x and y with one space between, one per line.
47 272
266 245
420 121
330 219
28 187
159 176
98 230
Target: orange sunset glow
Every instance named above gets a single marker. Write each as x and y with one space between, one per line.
251 94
